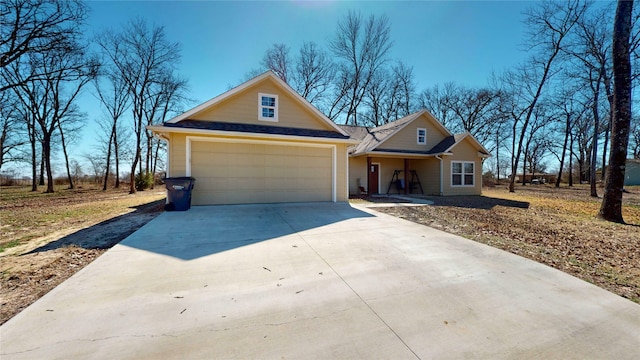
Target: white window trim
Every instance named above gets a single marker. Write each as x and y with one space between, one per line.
462 174
418 136
260 107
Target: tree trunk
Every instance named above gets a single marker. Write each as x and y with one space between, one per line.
42 164
604 150
46 155
34 166
594 142
611 208
567 130
108 166
66 158
117 158
571 160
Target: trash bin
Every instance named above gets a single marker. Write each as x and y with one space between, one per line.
179 193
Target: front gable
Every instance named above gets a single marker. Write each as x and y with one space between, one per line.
242 105
244 108
407 138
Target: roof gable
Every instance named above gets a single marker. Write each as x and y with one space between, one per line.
382 137
459 138
240 105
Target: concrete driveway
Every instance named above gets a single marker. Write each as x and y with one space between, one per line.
317 281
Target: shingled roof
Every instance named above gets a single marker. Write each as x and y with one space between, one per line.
372 139
256 129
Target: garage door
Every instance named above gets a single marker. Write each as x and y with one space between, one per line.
242 173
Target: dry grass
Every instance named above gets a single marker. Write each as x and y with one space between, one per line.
556 227
46 238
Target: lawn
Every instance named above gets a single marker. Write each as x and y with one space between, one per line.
46 238
556 227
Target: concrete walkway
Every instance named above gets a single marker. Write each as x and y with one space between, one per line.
317 281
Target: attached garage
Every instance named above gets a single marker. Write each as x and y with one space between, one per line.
260 142
254 171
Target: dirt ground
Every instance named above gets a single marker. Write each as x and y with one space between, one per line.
46 238
556 227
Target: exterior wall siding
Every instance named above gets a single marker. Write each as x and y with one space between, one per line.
177 151
243 108
429 172
357 170
463 152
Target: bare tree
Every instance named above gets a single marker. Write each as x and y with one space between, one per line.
476 110
112 91
611 208
12 129
569 111
142 55
438 101
51 100
277 59
592 49
405 83
36 26
380 100
314 73
165 97
362 45
549 24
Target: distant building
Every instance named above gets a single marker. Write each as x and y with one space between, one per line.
537 178
632 172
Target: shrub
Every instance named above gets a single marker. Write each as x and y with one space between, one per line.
144 180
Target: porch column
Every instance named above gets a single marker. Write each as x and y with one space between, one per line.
406 176
368 174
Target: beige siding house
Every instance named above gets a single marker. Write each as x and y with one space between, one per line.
260 142
414 155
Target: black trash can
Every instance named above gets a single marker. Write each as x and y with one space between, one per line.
179 193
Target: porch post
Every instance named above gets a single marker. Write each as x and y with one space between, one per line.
406 175
368 175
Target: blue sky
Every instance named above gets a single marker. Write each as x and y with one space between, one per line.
459 41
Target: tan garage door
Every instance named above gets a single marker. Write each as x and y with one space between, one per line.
243 173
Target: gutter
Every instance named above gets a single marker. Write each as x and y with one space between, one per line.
238 134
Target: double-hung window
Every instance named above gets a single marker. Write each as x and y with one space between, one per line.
422 136
462 173
267 107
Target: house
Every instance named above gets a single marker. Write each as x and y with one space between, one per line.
415 154
632 172
261 142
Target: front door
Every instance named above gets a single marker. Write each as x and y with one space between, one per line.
373 178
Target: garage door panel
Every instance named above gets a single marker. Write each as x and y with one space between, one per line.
237 173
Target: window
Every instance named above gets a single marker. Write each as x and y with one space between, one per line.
422 136
462 173
267 107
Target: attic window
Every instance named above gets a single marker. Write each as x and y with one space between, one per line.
422 136
267 107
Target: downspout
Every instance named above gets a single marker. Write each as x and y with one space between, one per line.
441 175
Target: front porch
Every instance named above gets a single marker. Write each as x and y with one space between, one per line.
394 175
